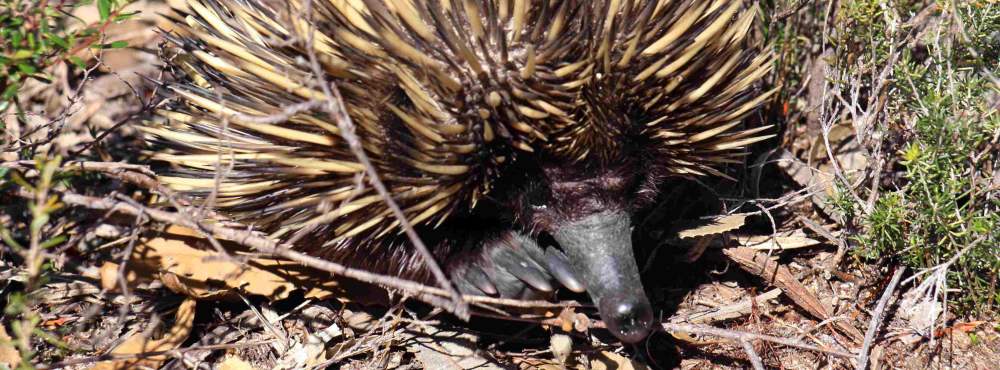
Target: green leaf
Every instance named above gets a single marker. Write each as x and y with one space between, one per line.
61 42
78 62
39 221
22 54
53 242
124 16
27 68
104 8
11 90
114 45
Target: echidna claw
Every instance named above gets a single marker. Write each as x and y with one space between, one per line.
478 278
558 265
514 266
519 263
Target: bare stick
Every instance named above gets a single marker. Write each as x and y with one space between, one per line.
877 317
754 357
746 337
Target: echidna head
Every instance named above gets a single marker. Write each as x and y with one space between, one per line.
588 212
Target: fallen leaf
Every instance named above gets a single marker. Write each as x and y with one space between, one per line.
731 311
110 280
139 343
614 361
311 353
57 322
964 327
581 323
235 363
540 364
187 264
716 225
758 242
8 354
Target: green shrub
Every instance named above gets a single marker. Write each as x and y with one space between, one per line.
942 101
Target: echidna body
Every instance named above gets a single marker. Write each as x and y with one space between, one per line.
492 122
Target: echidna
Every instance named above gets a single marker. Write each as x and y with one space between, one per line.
492 123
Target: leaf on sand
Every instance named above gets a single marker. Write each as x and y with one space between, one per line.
140 343
715 225
8 354
110 273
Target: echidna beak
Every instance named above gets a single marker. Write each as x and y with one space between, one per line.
599 249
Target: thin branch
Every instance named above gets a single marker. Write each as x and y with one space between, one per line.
754 357
741 337
877 317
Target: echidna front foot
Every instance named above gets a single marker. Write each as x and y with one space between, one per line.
514 266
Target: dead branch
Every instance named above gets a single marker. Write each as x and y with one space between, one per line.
740 337
877 317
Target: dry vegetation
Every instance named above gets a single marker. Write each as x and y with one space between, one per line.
865 236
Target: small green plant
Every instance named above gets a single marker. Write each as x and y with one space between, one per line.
35 35
40 239
942 99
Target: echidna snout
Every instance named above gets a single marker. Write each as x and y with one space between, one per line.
599 247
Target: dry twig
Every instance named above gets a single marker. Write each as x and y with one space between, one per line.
877 317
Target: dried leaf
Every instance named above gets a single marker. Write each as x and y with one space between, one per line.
311 353
566 319
139 343
581 323
614 361
187 265
731 311
8 354
966 327
235 363
540 364
109 276
759 242
716 225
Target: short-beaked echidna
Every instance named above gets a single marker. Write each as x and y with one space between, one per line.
492 123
